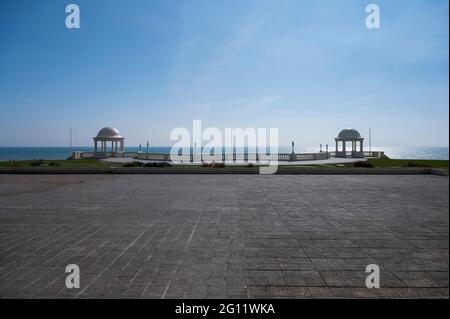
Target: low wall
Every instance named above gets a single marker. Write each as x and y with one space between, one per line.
227 170
152 156
190 158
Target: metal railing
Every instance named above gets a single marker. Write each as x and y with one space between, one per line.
228 157
235 157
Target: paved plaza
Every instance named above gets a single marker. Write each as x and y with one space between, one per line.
224 236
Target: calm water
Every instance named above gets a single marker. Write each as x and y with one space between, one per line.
27 153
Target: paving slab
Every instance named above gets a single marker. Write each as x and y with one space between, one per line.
224 236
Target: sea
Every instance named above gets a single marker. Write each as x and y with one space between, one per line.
59 153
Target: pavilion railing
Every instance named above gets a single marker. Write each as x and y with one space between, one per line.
368 154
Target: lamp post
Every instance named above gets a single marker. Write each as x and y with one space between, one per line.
70 138
292 157
195 152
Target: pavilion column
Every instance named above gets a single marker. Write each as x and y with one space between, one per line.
361 146
343 145
337 146
95 146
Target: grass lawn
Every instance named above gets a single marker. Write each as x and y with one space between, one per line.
409 163
79 163
93 163
82 163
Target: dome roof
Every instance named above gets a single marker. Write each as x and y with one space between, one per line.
109 132
349 133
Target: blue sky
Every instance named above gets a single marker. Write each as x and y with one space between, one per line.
309 68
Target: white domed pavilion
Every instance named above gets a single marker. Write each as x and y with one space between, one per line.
353 136
106 135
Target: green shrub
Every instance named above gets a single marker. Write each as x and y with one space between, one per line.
363 164
133 164
157 164
416 164
214 165
54 164
37 162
